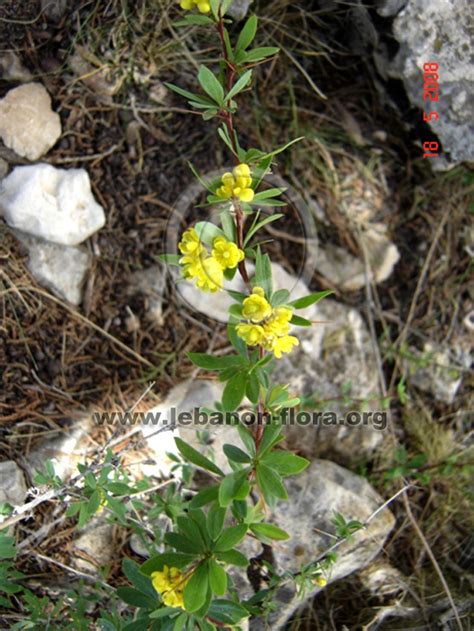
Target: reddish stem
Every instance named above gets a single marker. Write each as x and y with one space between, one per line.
239 215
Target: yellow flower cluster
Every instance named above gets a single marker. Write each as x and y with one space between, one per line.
237 184
170 583
202 5
268 326
103 502
207 270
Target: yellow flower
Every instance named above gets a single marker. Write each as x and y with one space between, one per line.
284 344
252 334
196 263
103 502
226 253
279 323
256 308
320 581
211 276
202 5
190 244
237 184
170 583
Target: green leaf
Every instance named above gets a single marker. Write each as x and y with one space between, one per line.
133 597
270 483
189 526
138 580
228 225
247 34
190 454
257 54
94 502
230 537
263 273
227 612
236 341
215 520
285 463
253 389
271 435
259 225
234 391
230 486
233 557
163 612
302 303
198 20
208 114
195 592
119 488
72 509
182 544
196 98
239 85
267 532
207 232
206 496
235 454
267 194
211 85
217 578
280 297
299 321
247 438
7 547
210 362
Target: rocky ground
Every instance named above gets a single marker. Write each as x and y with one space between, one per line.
96 185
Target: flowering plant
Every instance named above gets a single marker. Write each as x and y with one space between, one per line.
192 577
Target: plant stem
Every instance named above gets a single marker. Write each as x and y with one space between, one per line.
227 116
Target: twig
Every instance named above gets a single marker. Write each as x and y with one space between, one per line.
433 560
88 577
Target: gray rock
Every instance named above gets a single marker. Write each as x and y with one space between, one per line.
350 273
314 496
438 370
53 204
239 9
65 452
12 69
388 8
54 9
12 484
28 125
382 579
3 168
60 268
151 283
94 547
440 31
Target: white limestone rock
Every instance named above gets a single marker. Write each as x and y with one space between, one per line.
440 31
438 370
314 496
28 125
239 9
12 484
50 203
12 69
350 273
60 268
